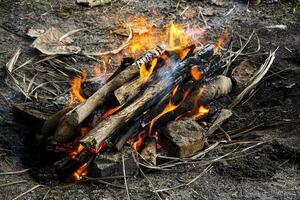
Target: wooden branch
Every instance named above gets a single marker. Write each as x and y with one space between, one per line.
107 127
73 118
155 91
76 116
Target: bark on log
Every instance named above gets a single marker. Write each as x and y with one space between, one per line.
130 89
155 91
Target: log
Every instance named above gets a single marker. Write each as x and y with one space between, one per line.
73 118
155 91
202 94
131 89
76 116
127 91
113 123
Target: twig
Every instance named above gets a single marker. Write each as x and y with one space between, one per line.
184 11
125 180
46 194
15 172
202 16
148 180
255 79
190 182
103 182
206 150
115 51
13 183
24 193
70 33
230 11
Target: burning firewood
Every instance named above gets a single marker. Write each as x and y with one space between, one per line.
201 96
82 111
155 91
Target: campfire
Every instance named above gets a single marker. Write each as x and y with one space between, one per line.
162 92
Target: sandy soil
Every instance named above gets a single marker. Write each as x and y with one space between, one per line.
270 172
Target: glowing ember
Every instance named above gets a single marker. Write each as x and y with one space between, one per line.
80 172
196 74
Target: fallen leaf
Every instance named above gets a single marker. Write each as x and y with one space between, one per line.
50 43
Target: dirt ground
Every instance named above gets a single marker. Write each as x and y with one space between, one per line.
271 171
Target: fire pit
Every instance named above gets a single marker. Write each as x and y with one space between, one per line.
151 96
167 96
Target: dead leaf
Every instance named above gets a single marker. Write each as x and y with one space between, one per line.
218 2
51 43
34 33
93 3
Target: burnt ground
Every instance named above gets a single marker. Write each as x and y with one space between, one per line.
270 171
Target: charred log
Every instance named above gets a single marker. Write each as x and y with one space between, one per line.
155 91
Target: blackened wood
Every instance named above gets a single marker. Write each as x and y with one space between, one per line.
155 91
202 95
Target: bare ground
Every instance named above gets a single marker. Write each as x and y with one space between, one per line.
271 171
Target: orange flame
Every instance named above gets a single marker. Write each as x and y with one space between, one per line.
201 111
80 172
147 36
108 113
136 145
223 38
145 73
76 90
73 154
170 107
196 74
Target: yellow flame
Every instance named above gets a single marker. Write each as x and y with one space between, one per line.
76 91
201 111
170 107
146 73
